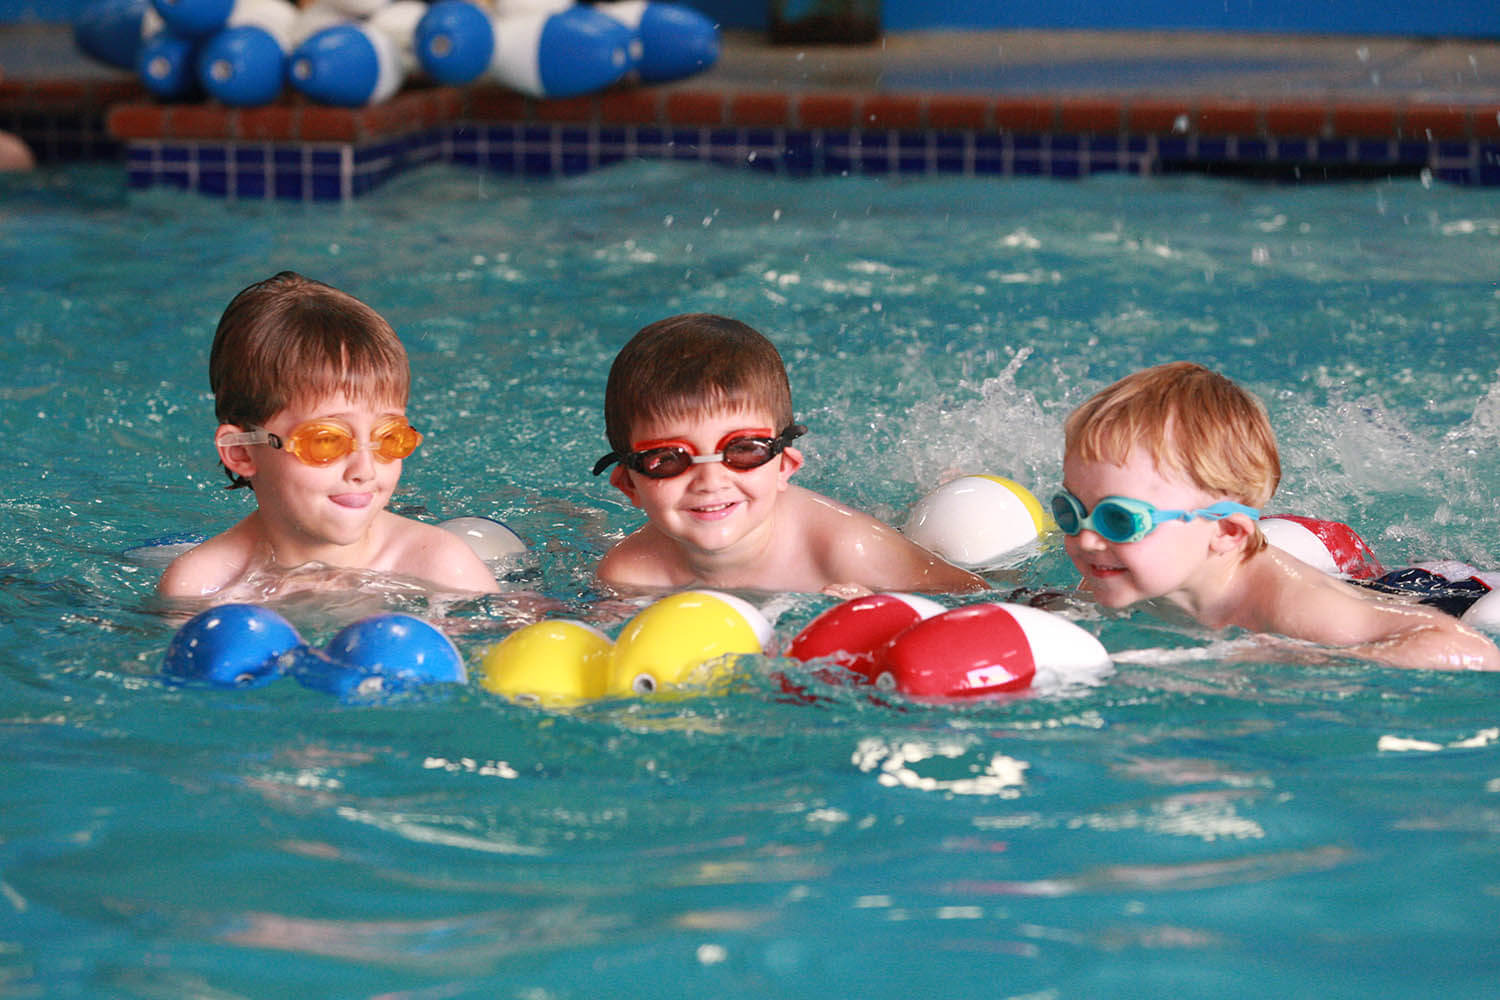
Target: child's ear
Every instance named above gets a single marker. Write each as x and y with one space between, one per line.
619 478
238 458
791 461
1235 533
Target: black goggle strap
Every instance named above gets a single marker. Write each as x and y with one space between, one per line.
786 437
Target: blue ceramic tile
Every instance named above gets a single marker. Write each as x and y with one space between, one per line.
574 163
326 187
1066 166
1412 151
1254 150
1171 148
250 185
536 164
502 160
1332 151
1214 150
289 185
799 154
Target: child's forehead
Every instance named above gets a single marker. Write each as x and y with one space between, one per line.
338 401
709 418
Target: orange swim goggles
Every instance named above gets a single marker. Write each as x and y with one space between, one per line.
323 442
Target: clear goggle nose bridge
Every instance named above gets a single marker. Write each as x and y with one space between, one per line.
323 442
1125 519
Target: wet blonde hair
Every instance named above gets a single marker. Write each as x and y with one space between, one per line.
691 365
289 339
1193 422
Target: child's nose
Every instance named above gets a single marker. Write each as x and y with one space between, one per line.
1090 539
709 473
361 464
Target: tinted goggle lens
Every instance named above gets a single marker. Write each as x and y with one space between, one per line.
1112 520
324 443
742 454
1117 522
1067 514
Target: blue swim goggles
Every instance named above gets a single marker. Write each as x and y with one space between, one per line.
1121 519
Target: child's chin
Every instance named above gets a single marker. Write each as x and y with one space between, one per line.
1112 597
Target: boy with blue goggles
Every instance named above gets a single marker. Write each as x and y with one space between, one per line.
1191 439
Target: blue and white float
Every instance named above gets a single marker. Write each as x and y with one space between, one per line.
348 65
168 66
554 50
671 41
194 18
112 31
352 53
244 63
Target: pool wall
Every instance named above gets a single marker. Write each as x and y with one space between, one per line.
1456 18
312 153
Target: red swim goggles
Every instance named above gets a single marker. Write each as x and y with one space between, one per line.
323 442
741 450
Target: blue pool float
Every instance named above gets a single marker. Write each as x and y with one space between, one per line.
674 41
168 66
539 53
382 655
346 65
111 31
231 646
193 18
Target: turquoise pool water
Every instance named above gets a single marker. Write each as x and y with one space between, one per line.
1198 825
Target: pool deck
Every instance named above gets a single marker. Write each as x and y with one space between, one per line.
1134 101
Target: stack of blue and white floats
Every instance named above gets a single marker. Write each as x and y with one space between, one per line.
351 53
554 48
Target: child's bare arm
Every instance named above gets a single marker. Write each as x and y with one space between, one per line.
1380 628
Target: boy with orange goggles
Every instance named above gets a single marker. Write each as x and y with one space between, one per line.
698 410
310 388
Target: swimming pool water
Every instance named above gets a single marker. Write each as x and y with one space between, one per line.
1204 823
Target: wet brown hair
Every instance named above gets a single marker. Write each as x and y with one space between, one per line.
290 339
689 366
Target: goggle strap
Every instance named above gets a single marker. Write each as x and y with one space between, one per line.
246 438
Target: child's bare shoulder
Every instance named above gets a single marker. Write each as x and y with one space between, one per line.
641 560
441 557
209 567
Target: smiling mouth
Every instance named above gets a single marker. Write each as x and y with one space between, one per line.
710 509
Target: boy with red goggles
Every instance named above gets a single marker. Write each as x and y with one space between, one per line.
310 388
698 410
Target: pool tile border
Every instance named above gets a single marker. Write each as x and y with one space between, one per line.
301 151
